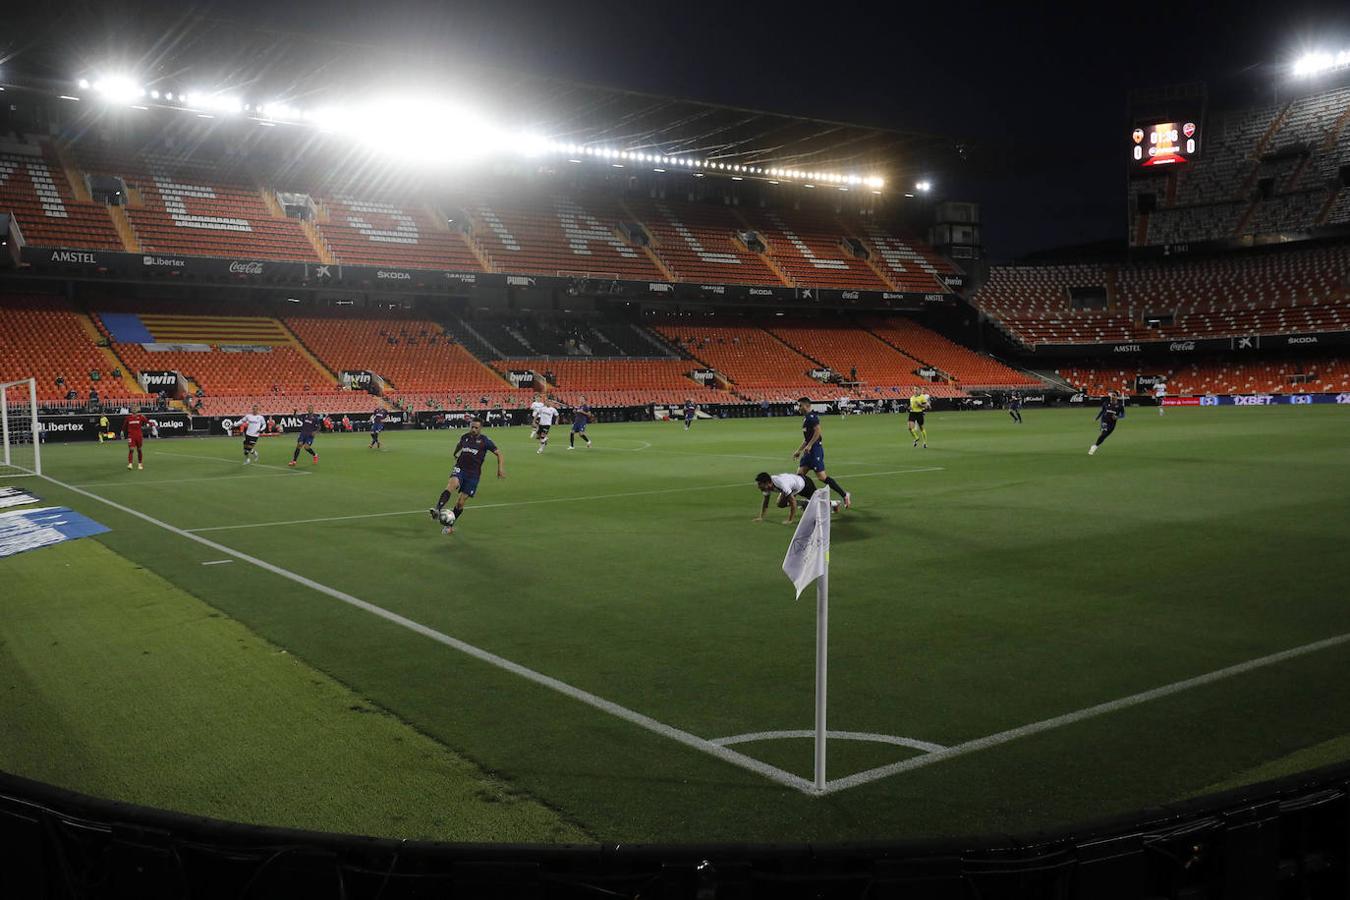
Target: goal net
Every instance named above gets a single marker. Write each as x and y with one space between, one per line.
21 453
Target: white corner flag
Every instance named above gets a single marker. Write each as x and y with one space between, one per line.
808 555
808 560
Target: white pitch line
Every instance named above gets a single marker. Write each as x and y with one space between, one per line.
134 482
218 562
893 740
1013 734
237 460
478 506
787 779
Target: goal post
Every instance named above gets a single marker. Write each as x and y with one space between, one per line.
19 432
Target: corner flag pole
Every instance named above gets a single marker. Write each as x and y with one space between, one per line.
808 560
822 648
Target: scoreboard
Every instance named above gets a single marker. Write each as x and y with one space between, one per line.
1164 144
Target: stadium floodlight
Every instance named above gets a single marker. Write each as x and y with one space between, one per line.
168 95
1316 63
923 187
84 84
118 89
154 95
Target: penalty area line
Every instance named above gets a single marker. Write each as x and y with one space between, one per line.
693 741
478 506
1090 712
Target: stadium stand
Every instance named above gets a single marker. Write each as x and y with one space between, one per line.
44 337
808 247
759 365
34 187
845 347
575 335
195 208
1262 170
969 369
1277 291
625 382
1304 374
558 236
697 243
909 264
391 232
415 356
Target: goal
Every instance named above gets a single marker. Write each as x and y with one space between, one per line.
19 432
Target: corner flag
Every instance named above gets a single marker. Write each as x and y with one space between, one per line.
809 553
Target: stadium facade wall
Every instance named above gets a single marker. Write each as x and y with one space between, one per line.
1249 342
112 265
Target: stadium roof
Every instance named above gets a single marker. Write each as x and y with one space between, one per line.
195 52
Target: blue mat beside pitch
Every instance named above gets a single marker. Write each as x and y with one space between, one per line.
29 529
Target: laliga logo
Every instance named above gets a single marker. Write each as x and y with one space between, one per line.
1138 135
246 268
1188 129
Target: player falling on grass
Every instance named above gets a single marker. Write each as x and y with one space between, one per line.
252 425
1015 407
134 428
1112 411
919 404
581 417
309 423
376 426
545 418
788 487
469 453
690 411
534 418
812 451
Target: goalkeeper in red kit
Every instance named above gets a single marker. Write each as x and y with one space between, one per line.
134 427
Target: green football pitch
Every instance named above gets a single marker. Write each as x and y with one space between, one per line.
1021 636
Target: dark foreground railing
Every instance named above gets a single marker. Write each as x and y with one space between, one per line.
1289 838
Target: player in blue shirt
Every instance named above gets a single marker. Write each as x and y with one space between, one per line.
812 451
581 417
376 426
309 423
1112 411
690 410
469 453
1015 407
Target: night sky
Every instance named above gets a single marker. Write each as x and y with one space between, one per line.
1005 75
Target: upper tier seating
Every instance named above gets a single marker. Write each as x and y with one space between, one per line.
808 247
34 187
44 337
1291 153
195 209
970 369
1282 291
392 233
912 265
414 355
561 236
697 243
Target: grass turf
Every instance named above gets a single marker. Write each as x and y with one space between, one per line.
116 683
999 578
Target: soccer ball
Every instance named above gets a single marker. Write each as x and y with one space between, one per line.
447 517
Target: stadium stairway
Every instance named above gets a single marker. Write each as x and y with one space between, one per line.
109 351
877 270
309 354
124 229
318 243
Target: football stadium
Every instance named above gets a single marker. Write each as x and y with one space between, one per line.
517 486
